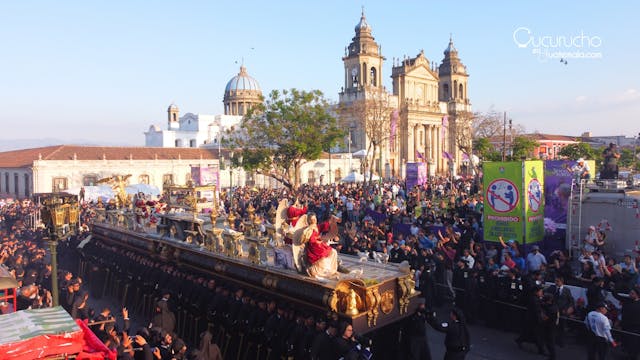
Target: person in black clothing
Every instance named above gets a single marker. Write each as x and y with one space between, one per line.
344 343
630 321
550 317
457 340
321 348
532 327
418 347
565 303
595 294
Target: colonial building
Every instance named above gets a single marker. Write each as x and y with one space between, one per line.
196 130
429 105
69 167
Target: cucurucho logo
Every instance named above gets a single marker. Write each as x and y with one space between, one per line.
562 47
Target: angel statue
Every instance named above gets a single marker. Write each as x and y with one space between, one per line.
118 184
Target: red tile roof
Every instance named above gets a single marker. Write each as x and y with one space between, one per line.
26 157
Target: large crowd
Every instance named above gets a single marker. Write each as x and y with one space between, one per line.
436 228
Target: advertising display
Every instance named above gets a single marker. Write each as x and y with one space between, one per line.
416 174
503 206
534 200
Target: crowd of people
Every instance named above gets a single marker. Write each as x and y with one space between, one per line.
435 228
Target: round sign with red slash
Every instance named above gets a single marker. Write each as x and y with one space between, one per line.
502 195
534 195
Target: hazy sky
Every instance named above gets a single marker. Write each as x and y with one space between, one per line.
104 71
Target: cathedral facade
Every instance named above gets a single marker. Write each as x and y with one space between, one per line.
423 119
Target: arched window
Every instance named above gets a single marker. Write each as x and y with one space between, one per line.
311 177
143 179
175 116
6 182
192 143
455 89
445 92
337 175
460 91
178 143
374 77
16 184
364 74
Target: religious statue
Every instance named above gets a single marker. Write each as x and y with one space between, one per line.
118 184
322 259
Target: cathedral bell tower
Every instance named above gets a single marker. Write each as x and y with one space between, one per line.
453 91
173 117
362 64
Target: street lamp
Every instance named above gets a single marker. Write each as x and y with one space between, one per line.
60 215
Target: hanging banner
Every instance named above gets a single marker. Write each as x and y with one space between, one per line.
503 205
416 175
534 200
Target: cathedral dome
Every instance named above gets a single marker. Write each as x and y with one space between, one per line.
242 81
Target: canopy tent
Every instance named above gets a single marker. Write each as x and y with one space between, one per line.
357 177
360 153
41 333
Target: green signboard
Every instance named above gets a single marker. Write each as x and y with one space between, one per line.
502 200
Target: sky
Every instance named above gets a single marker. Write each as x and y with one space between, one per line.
102 72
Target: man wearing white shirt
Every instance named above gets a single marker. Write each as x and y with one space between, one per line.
467 258
600 333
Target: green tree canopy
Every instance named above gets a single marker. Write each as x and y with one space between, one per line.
579 150
523 147
289 128
485 150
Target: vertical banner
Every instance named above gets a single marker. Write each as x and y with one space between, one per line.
534 200
416 174
503 205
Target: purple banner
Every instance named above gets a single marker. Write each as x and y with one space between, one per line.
204 175
557 192
416 174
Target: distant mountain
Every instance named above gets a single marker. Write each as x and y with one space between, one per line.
17 144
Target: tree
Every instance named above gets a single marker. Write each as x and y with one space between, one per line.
523 147
374 115
492 124
579 150
485 150
289 128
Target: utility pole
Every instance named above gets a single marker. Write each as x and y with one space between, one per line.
504 137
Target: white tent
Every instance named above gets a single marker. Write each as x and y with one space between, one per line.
360 153
357 177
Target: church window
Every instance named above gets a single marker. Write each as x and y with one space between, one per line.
175 116
59 184
143 179
364 74
460 92
374 77
16 184
192 143
89 180
455 89
178 143
6 182
26 185
445 90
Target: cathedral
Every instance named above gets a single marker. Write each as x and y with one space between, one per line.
423 119
201 130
